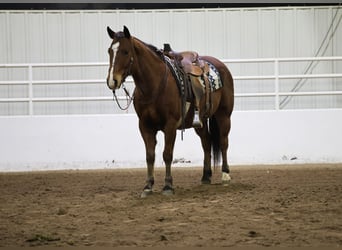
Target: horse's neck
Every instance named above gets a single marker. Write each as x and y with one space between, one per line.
147 69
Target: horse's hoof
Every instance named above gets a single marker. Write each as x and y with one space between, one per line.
145 193
225 179
168 191
206 181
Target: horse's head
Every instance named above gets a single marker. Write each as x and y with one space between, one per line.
120 57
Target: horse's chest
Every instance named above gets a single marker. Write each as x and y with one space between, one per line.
151 117
159 113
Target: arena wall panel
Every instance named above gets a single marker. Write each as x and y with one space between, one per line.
88 134
102 141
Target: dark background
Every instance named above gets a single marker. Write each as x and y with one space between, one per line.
58 5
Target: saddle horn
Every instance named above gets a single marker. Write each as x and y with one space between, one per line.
167 47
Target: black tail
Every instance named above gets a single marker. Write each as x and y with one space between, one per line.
215 140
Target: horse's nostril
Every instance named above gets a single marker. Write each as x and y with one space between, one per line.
115 82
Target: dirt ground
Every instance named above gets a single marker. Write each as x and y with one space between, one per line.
292 206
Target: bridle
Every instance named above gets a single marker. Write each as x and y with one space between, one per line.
129 98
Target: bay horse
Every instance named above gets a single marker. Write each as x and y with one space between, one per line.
158 104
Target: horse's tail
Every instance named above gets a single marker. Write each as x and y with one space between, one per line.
215 140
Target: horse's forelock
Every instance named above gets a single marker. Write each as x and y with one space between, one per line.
119 35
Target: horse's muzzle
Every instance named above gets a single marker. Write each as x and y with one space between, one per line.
111 84
114 83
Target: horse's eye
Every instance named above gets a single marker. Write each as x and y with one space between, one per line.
124 52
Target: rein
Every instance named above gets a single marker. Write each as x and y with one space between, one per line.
129 99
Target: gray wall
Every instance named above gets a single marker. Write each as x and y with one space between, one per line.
80 36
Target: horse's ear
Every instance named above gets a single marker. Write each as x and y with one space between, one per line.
110 32
126 32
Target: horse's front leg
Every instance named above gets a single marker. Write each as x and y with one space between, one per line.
170 137
149 137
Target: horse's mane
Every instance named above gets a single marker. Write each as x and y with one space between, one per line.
153 48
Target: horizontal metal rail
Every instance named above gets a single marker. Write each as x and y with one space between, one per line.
276 77
130 80
283 59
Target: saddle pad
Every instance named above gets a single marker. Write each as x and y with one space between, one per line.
214 77
177 75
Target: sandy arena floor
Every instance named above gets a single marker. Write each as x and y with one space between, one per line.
297 205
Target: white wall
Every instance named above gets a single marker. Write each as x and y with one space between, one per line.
94 141
80 142
41 36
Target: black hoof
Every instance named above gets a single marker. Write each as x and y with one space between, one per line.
206 181
167 190
206 177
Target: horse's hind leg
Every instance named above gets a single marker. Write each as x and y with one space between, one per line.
203 133
224 127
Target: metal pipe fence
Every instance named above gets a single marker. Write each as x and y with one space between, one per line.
276 76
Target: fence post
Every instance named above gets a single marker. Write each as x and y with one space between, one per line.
30 89
276 84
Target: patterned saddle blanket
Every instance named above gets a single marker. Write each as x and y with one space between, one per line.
213 77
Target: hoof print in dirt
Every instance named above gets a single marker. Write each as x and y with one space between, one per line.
41 239
252 234
163 238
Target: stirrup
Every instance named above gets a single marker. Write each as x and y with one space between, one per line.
197 123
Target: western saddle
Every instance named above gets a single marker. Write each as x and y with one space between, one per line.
196 71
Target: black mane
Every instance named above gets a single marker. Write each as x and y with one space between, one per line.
153 48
